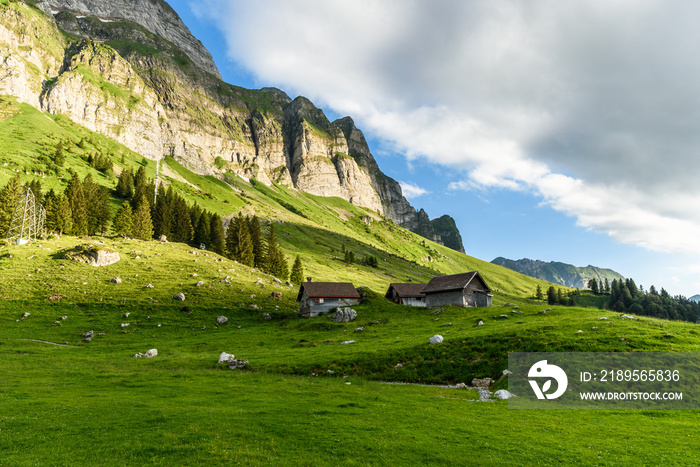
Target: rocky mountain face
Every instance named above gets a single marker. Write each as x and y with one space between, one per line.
116 70
154 15
559 273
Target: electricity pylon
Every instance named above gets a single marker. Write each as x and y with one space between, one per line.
27 220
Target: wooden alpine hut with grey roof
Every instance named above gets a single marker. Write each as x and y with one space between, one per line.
466 289
321 297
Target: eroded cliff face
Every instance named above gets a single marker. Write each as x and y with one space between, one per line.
154 15
126 82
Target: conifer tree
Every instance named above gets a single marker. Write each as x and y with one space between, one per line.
78 207
58 157
202 233
9 196
103 212
217 235
125 185
297 275
93 197
143 225
162 214
123 221
182 225
275 262
551 296
238 241
65 216
256 238
538 293
35 186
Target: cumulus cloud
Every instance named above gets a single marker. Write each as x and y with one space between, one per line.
590 105
411 190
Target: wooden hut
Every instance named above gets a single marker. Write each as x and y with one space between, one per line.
406 294
467 289
321 297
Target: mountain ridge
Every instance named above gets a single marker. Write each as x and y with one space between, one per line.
127 82
558 272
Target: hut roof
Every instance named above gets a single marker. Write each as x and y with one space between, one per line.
454 282
328 290
407 290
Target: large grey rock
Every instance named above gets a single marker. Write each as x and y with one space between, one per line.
344 315
226 357
221 319
180 296
238 363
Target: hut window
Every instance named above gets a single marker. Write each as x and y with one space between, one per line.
319 301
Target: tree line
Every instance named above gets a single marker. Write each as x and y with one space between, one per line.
84 208
626 297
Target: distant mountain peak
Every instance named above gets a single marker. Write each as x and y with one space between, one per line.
559 273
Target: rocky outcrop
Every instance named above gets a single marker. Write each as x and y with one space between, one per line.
154 15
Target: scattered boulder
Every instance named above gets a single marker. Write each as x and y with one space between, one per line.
447 324
87 337
519 322
254 306
115 280
579 332
148 354
54 297
126 315
289 284
359 329
628 317
267 316
347 342
436 339
542 312
148 286
479 322
503 394
180 296
517 312
93 255
602 318
259 282
436 312
501 317
277 280
344 315
25 315
253 296
163 239
226 357
125 325
199 283
275 296
397 366
225 280
482 382
236 364
221 319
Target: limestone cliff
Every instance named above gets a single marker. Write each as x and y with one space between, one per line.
154 15
124 80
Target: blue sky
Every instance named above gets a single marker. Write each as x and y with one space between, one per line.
548 130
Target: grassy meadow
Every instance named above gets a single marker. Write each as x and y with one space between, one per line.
304 398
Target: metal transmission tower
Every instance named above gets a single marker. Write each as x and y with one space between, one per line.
27 220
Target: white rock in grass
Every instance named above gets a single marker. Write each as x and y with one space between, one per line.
503 394
234 364
579 332
151 353
436 339
200 283
221 319
225 357
124 325
347 342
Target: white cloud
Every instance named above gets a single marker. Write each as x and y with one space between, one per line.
411 190
590 105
